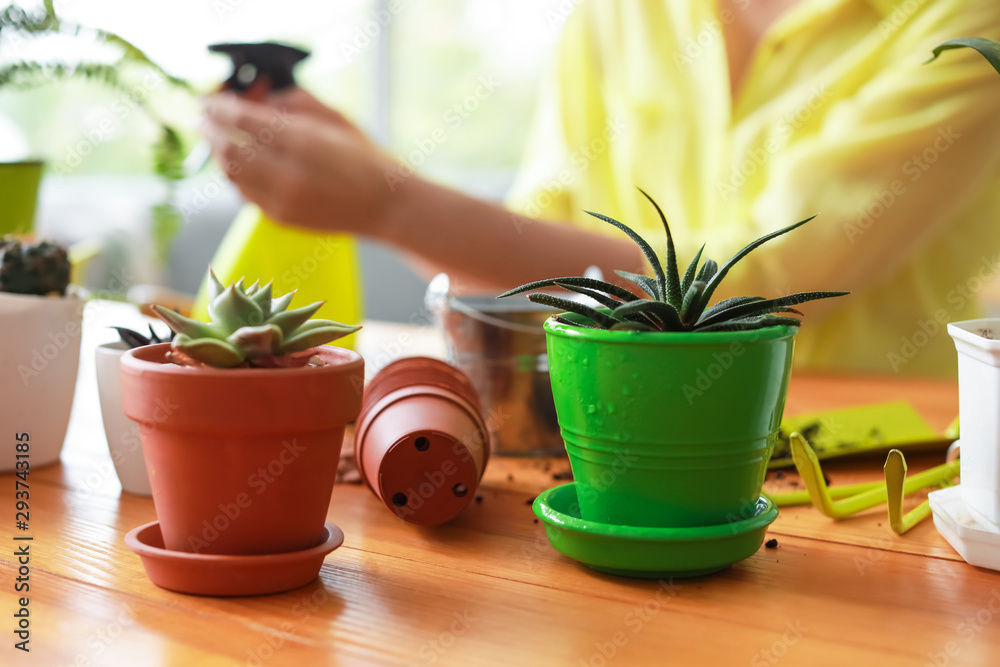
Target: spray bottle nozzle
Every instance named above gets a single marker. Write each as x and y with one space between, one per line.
253 60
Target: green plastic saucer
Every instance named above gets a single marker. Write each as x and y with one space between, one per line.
649 553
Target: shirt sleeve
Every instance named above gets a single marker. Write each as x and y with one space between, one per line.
890 168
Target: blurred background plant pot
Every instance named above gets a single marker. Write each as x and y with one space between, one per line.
668 429
241 461
979 399
500 346
19 194
39 356
422 444
122 433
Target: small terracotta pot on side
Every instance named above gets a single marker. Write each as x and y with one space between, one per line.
241 461
422 444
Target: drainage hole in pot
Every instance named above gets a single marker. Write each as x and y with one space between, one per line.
422 444
460 490
399 499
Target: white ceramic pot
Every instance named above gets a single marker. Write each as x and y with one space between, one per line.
39 356
122 433
978 345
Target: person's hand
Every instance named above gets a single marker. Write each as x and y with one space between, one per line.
302 162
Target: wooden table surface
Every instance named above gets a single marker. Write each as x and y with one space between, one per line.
488 589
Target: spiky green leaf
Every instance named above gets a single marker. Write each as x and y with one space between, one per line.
691 272
263 299
590 283
645 283
654 261
729 303
718 277
986 47
764 307
290 320
592 314
215 286
234 309
211 351
751 323
186 326
690 310
281 303
672 290
663 312
707 270
316 336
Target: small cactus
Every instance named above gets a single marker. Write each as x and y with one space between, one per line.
40 268
249 328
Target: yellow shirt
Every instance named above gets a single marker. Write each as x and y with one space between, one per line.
837 115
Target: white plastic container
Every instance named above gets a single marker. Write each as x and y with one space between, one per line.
979 408
122 433
39 357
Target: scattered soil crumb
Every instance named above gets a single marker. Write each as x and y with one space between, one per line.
510 478
779 474
535 520
529 501
771 543
826 479
479 499
562 475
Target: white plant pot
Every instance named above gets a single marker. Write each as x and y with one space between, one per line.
39 356
979 410
122 433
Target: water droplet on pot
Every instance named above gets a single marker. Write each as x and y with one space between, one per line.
611 408
591 409
627 390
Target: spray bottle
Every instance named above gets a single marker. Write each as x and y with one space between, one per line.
322 267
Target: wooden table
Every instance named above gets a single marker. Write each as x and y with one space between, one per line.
489 590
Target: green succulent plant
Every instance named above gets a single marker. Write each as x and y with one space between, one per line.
250 328
986 47
33 268
675 303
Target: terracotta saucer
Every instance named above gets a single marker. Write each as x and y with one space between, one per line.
208 574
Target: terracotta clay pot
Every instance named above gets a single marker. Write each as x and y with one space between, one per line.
421 443
241 461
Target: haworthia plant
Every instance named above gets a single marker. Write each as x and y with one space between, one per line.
674 303
250 328
986 47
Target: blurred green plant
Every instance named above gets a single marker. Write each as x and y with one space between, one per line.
168 150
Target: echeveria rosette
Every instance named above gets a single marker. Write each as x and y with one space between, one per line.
676 303
250 328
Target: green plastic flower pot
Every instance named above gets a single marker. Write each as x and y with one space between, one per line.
19 194
668 429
